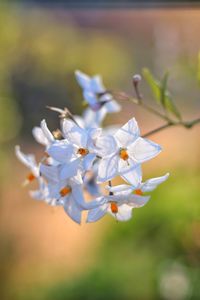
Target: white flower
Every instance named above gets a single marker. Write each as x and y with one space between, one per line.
79 152
119 205
95 93
68 192
136 185
29 161
44 137
124 152
134 179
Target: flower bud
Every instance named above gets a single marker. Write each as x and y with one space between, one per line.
137 78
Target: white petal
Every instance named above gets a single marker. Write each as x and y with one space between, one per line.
124 213
112 106
151 184
39 136
28 160
93 118
100 115
88 161
61 151
42 191
78 196
54 190
128 133
51 173
137 201
94 133
97 213
143 150
70 169
106 145
96 85
83 79
92 100
108 167
73 210
110 130
133 176
80 121
126 166
47 133
75 134
119 188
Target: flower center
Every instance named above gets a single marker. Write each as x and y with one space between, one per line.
123 154
30 177
114 207
82 151
57 134
138 192
65 191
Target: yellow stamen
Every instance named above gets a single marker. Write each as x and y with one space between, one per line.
57 134
65 191
138 192
114 207
30 177
123 154
82 151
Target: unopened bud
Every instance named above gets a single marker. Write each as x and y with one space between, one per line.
137 78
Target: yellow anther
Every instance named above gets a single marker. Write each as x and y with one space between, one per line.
65 191
114 207
82 151
30 177
123 154
57 134
138 192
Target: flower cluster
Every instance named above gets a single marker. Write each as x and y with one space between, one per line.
81 157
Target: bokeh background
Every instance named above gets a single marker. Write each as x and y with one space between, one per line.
43 254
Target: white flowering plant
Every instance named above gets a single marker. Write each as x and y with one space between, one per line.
82 157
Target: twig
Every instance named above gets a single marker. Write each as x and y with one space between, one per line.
138 101
187 125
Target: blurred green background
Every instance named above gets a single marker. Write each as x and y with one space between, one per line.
43 255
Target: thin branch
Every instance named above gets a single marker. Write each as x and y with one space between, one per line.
187 125
137 101
157 130
170 123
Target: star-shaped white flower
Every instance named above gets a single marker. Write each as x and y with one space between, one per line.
95 93
44 137
79 152
68 192
123 152
119 205
135 184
